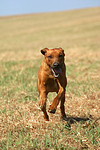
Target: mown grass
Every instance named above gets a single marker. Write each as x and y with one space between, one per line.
18 80
21 122
84 135
81 80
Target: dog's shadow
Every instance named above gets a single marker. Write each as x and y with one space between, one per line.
71 120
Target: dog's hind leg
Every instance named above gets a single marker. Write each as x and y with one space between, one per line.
62 107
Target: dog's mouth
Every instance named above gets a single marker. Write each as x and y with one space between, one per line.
56 72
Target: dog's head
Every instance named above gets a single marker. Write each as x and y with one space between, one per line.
54 59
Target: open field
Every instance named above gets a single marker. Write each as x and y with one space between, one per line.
21 121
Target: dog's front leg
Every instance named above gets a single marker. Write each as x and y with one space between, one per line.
42 101
57 99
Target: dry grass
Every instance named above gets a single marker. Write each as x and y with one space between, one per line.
21 121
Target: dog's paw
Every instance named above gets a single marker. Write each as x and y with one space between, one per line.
52 111
42 106
63 117
46 117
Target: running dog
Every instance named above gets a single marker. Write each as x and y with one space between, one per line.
52 78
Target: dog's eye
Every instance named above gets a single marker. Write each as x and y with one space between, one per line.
60 56
49 56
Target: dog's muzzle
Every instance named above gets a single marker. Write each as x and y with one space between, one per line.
56 70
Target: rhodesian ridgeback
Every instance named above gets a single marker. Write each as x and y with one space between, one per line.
52 78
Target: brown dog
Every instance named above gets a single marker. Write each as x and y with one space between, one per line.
52 78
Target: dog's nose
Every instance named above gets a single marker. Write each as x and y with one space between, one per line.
56 65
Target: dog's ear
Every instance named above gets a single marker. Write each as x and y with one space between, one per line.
62 50
43 51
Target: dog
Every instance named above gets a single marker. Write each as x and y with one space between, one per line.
52 78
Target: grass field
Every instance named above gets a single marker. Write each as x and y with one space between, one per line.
21 122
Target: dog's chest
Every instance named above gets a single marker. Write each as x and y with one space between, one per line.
52 85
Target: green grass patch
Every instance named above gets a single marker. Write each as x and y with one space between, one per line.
58 137
83 77
17 77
